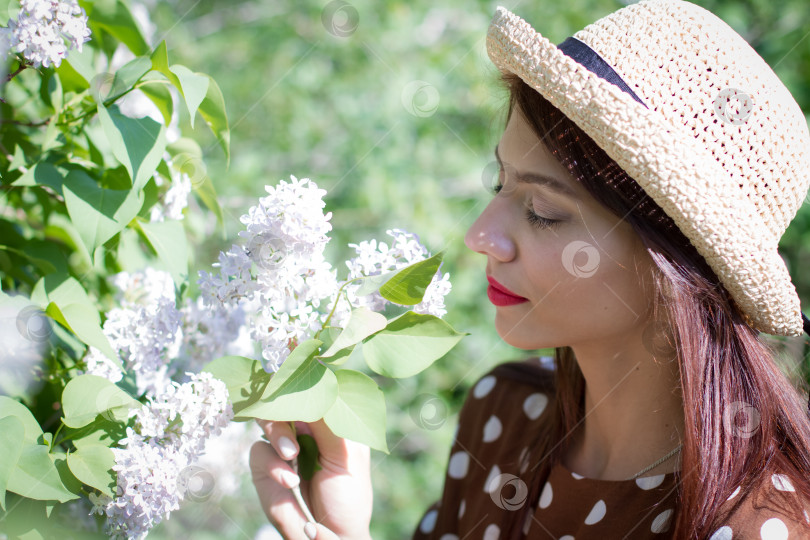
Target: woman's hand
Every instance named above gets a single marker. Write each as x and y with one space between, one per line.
339 494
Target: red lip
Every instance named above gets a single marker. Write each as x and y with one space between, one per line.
501 296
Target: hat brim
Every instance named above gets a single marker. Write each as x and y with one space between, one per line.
683 178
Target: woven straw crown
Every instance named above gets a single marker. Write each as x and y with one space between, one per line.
721 146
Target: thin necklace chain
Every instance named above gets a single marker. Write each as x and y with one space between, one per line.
657 463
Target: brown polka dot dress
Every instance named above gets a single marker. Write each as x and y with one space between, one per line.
485 489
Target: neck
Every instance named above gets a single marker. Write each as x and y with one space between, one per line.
633 412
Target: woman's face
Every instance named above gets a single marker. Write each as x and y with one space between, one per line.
566 271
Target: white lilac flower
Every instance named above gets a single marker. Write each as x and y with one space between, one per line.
375 258
208 331
169 435
291 215
174 200
43 27
146 331
98 364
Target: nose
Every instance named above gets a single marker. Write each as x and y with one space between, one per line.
489 234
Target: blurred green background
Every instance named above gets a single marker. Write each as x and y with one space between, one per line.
394 108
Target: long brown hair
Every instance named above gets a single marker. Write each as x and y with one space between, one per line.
727 373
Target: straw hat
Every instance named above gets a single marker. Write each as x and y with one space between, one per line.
693 114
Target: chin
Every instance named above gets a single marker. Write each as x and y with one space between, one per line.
525 338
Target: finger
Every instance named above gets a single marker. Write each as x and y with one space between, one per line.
339 452
316 531
276 499
281 436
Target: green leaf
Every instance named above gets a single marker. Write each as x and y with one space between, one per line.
41 174
362 323
13 408
302 389
407 287
97 213
372 284
36 476
168 239
138 143
193 87
126 77
115 18
77 70
61 289
12 435
213 112
359 410
244 378
83 320
88 396
92 465
154 87
409 344
307 456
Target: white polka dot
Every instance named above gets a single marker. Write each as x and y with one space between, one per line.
491 483
492 429
650 482
429 522
449 537
782 482
462 508
458 465
534 405
597 513
484 386
661 522
577 476
567 537
493 532
736 491
527 525
723 533
774 529
546 496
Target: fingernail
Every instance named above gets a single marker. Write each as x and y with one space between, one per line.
286 447
290 479
310 530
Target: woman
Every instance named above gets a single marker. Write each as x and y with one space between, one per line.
648 168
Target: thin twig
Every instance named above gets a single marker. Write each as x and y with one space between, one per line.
23 65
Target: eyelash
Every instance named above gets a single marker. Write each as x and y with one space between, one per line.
536 220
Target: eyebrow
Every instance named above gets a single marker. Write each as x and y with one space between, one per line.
541 179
